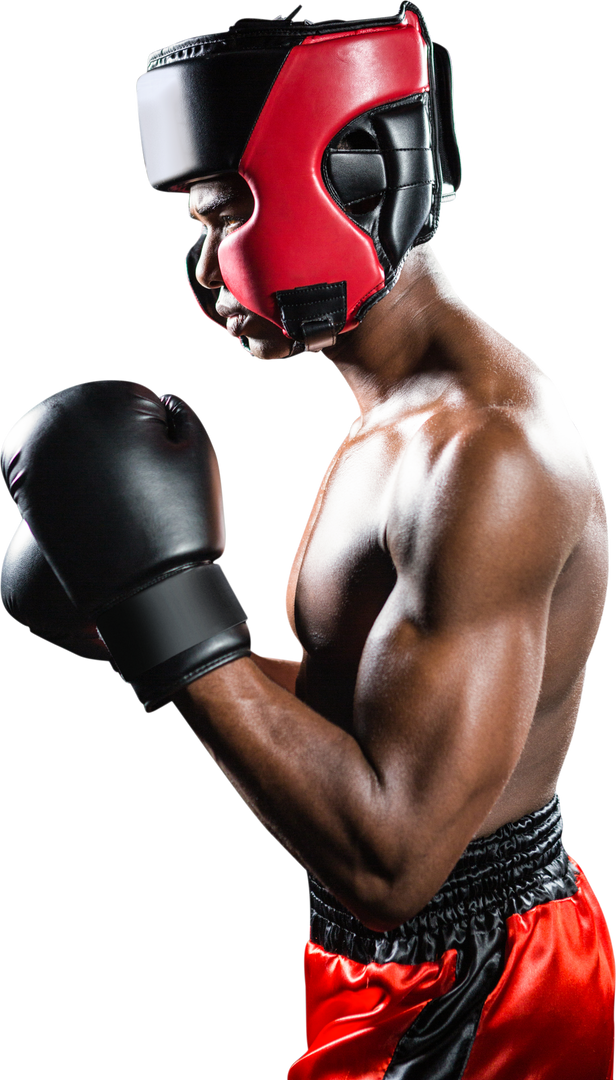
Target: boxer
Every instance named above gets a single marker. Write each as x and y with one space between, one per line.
446 592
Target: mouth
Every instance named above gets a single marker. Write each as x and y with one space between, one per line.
235 324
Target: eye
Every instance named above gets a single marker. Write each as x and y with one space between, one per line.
228 220
232 222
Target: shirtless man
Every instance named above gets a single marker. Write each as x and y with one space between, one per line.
447 592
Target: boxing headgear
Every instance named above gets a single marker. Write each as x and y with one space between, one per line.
344 133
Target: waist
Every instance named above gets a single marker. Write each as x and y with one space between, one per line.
512 870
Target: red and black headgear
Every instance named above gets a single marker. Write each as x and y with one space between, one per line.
344 133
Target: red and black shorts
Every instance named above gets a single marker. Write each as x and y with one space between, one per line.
507 974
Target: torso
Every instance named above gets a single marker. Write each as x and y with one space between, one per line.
343 571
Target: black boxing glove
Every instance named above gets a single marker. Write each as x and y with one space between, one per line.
32 594
122 493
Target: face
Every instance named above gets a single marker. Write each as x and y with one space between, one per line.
223 204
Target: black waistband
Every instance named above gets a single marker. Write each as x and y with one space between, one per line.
517 867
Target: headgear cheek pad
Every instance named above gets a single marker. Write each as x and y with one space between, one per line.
344 133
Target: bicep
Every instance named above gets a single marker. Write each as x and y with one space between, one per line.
443 718
448 712
451 672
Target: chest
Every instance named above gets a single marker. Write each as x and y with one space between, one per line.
343 574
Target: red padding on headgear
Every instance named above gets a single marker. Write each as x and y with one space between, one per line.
297 234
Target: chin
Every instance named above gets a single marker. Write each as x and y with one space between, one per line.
270 348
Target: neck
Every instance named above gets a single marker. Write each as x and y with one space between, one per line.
395 348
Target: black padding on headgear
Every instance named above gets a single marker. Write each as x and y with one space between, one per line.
403 131
387 188
449 153
196 115
356 175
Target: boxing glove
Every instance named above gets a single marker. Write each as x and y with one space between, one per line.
32 594
122 493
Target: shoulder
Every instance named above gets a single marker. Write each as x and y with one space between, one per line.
493 486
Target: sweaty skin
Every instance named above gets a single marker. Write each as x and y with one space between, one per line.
446 593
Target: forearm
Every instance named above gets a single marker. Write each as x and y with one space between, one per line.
282 672
307 780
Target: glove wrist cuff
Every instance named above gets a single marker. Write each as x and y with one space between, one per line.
159 685
170 617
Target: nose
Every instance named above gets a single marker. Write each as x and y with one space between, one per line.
207 270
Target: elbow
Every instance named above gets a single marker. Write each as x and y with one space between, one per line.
385 904
382 920
391 917
382 916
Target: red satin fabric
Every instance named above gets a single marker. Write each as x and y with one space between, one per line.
358 1012
550 1016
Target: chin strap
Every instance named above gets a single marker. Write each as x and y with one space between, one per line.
298 347
313 315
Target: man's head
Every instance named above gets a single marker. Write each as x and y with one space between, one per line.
343 137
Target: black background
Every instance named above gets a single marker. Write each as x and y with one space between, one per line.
148 910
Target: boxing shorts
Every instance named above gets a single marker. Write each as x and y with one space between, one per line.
507 974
